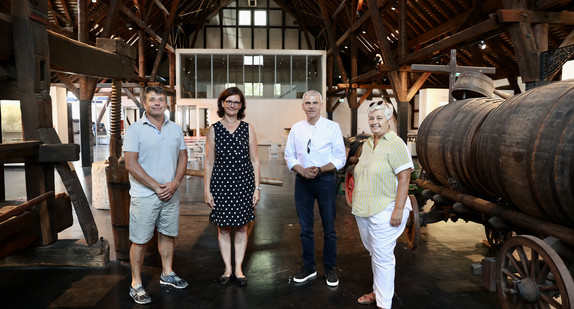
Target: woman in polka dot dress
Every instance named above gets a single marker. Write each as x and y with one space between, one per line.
231 181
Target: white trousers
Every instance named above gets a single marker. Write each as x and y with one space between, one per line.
380 238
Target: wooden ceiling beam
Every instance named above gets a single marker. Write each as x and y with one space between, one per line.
535 17
331 39
442 29
111 18
64 5
168 29
133 18
489 26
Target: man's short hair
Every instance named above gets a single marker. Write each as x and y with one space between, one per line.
313 92
156 89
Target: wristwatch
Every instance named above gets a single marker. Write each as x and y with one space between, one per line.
319 171
258 188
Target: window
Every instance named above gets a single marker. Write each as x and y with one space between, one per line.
259 75
260 18
245 18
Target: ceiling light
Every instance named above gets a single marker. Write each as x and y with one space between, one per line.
94 1
481 45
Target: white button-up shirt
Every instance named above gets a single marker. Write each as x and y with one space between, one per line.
315 145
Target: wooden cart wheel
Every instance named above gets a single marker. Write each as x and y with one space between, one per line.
530 274
349 185
413 225
495 238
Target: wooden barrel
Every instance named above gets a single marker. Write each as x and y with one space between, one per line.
473 85
119 200
525 150
445 142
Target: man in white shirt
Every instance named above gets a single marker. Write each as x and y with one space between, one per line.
315 150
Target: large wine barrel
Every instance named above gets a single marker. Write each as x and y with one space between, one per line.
119 200
445 140
525 149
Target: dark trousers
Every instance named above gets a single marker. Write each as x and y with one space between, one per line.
323 190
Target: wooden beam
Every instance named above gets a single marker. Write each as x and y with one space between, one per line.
417 85
67 55
111 18
535 17
524 43
489 26
442 29
69 84
132 96
133 18
161 48
331 38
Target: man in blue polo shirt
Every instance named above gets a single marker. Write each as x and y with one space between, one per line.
156 159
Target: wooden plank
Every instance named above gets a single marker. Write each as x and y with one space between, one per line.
23 231
75 190
19 223
18 152
67 55
67 252
16 210
58 152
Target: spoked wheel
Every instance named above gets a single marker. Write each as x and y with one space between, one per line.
413 225
530 274
495 238
349 185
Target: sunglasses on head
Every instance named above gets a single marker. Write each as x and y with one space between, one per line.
378 103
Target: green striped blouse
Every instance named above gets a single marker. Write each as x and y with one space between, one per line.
375 174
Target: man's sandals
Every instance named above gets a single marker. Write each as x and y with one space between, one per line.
367 299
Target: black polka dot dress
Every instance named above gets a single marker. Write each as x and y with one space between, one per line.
232 179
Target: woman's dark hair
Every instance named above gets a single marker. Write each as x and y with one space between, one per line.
227 93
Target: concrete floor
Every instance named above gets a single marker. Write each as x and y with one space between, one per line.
436 275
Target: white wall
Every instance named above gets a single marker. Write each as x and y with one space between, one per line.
429 100
60 112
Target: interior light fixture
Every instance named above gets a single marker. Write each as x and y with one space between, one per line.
94 1
481 45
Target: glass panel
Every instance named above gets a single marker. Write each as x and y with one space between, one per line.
291 39
244 18
244 38
219 74
229 37
11 121
213 36
284 77
314 75
236 71
268 75
260 18
229 17
253 86
275 41
204 76
299 75
260 37
275 17
187 76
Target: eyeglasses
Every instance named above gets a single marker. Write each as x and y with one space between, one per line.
309 146
232 103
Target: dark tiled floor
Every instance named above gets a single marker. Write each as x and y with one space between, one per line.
436 275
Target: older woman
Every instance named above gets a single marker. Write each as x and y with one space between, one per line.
231 179
380 200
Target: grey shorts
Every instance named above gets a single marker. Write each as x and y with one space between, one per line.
147 213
